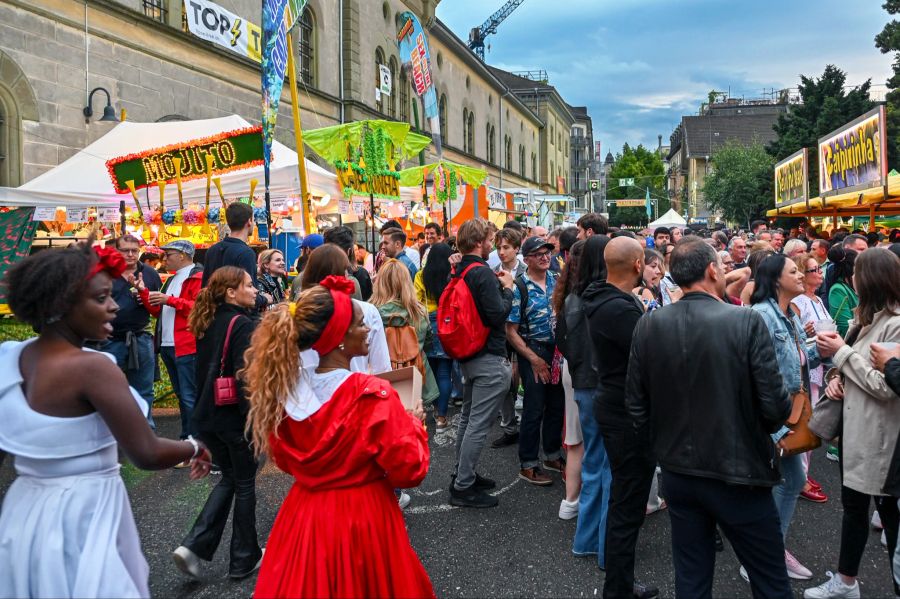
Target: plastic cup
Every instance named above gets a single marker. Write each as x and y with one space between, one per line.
824 326
887 345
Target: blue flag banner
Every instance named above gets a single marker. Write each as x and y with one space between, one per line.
649 210
416 57
274 65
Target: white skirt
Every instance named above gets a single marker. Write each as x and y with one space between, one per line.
70 536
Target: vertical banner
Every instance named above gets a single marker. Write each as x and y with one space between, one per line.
16 234
416 57
274 65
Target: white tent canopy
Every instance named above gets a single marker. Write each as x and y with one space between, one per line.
669 219
83 179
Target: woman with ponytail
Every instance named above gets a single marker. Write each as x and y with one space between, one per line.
347 441
220 318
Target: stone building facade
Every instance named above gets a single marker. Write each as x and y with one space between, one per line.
53 52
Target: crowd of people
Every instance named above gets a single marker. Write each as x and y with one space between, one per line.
588 348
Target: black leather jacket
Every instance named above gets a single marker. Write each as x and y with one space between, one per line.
703 375
574 342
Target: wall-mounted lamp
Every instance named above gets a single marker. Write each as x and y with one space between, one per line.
109 113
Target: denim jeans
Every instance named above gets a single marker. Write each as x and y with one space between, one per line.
441 368
181 373
596 481
487 380
141 379
543 414
231 451
456 381
786 494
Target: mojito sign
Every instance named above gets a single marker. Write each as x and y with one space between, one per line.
791 180
232 150
854 157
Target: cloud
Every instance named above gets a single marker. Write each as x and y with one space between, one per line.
640 65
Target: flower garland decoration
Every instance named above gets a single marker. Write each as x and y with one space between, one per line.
445 182
168 217
191 217
179 217
213 215
153 217
135 219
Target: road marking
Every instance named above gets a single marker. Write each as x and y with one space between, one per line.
446 507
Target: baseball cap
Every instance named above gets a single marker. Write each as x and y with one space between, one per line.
180 245
312 241
533 244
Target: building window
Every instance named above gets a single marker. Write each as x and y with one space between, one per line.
552 171
465 143
403 95
491 144
469 132
379 60
158 10
442 115
507 153
4 146
552 134
534 176
306 47
522 161
392 99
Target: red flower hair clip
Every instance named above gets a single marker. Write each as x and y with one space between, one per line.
110 261
338 283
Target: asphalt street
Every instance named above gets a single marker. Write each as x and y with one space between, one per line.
519 549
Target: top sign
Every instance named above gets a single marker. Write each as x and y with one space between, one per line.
792 180
854 157
213 23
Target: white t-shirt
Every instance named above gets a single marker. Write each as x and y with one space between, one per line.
413 254
167 316
379 358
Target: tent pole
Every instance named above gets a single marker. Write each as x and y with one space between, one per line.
298 136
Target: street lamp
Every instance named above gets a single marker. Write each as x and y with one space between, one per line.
109 113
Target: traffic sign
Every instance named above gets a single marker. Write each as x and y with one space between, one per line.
594 185
626 182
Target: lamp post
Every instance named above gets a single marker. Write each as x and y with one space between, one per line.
109 113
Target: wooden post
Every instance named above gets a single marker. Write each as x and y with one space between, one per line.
308 225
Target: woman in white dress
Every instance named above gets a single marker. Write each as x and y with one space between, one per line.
66 527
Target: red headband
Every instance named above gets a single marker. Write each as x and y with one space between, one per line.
110 261
341 288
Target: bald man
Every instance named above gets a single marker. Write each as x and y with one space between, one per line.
613 312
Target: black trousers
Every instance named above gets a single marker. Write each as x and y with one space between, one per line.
746 515
855 527
632 466
232 453
543 416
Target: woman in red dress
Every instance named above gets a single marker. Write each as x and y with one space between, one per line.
347 441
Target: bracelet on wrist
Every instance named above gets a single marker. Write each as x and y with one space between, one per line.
190 439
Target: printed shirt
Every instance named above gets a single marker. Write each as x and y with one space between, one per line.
539 317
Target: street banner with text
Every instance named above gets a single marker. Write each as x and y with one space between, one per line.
854 157
792 180
209 21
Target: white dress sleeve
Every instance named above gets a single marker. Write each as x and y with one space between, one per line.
379 358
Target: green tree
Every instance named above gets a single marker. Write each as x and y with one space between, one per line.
646 168
889 41
737 185
824 107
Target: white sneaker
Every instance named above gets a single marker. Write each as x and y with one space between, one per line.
833 588
403 500
795 569
568 509
744 575
187 561
876 521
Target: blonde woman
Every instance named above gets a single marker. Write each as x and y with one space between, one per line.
271 270
347 441
395 298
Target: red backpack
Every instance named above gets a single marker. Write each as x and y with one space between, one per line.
459 326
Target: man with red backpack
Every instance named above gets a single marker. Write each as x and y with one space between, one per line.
485 366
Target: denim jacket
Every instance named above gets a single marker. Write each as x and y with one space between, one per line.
787 335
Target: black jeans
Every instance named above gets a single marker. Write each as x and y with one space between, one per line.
855 527
632 466
746 515
232 453
543 413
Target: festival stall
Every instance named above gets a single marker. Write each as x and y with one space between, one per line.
853 176
669 219
445 204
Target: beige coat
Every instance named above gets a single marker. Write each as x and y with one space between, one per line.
871 409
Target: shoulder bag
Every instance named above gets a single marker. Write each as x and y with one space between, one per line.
225 388
802 439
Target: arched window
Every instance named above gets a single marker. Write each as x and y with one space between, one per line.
522 161
306 43
392 99
534 175
5 158
379 60
507 153
491 144
442 115
470 134
15 107
465 129
403 95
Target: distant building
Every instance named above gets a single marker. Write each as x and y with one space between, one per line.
582 159
696 138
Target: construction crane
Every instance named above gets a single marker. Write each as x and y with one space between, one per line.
489 27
